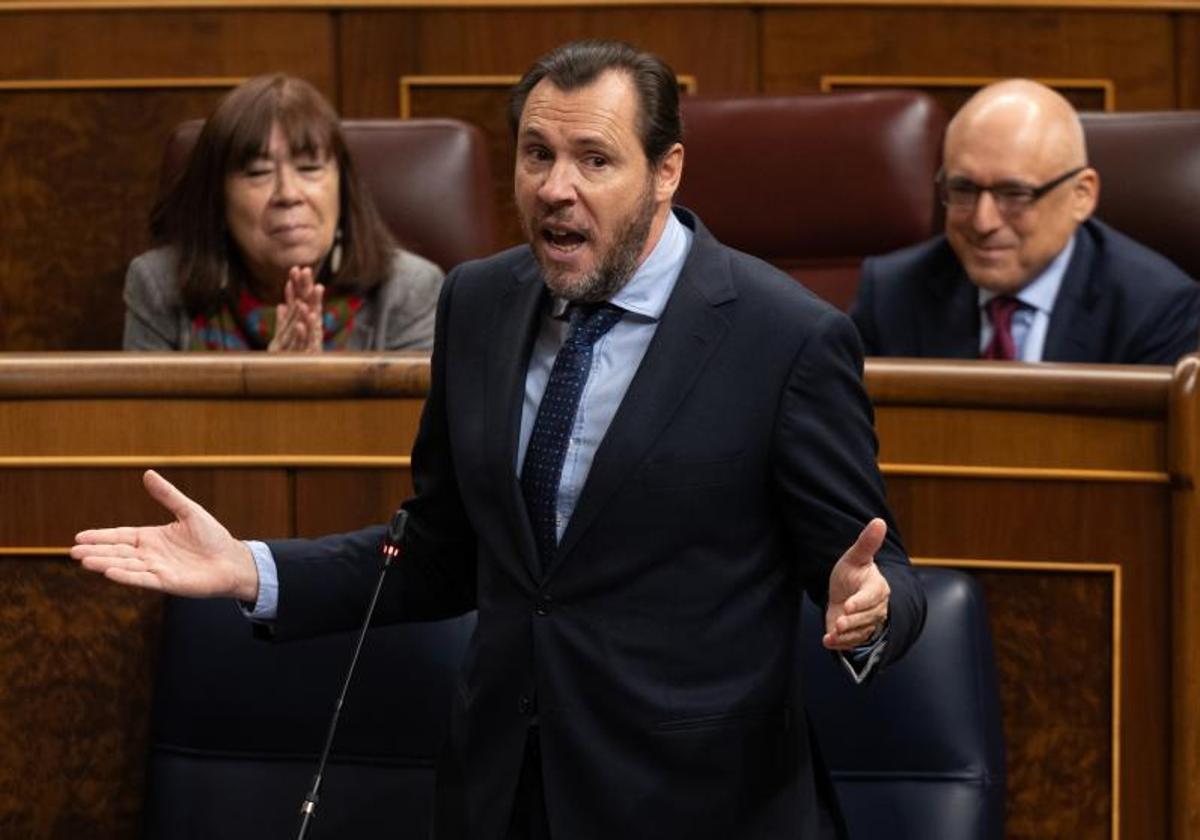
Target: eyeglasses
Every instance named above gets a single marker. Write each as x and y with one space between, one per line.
1012 199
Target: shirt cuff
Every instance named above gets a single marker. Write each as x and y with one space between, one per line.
266 608
863 660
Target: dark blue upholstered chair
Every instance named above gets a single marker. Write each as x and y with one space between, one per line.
917 753
238 724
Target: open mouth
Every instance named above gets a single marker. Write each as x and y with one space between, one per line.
563 241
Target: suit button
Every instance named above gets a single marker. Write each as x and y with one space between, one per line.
525 705
543 605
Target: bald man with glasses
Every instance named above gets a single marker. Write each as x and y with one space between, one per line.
1023 271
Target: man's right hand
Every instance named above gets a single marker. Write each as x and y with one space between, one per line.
194 555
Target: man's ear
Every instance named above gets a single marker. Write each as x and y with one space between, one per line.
668 174
1086 194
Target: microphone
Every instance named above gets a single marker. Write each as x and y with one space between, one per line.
391 548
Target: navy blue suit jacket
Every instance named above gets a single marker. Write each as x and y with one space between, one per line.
658 650
1119 303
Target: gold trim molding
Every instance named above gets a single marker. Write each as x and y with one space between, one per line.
832 82
337 5
165 83
282 461
902 470
407 84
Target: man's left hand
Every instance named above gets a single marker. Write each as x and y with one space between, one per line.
858 592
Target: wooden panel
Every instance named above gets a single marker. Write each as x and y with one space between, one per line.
799 46
80 177
924 435
204 428
76 667
717 46
1185 598
1187 45
331 501
73 5
248 502
951 92
1053 638
1053 650
131 44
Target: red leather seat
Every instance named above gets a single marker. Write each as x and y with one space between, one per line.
1149 165
813 184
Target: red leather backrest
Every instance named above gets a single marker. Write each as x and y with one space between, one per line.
1149 165
815 183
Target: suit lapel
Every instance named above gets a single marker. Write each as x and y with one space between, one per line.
690 329
1075 334
949 328
511 335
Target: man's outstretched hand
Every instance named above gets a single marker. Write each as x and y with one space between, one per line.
194 555
858 592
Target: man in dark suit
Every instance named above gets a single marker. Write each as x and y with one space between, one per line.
1022 271
638 450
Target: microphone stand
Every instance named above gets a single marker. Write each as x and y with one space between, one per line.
390 550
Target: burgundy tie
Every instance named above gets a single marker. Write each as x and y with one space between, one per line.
1000 309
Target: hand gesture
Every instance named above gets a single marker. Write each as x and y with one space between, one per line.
858 592
195 555
299 319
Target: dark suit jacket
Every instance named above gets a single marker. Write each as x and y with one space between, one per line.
657 651
1119 303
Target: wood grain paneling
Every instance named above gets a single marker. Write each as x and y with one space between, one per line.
952 92
1066 522
198 428
799 46
76 667
1187 55
132 44
1184 453
1051 632
80 175
331 501
931 435
250 502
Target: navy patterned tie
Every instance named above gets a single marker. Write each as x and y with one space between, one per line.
547 446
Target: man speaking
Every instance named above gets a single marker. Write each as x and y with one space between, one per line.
638 450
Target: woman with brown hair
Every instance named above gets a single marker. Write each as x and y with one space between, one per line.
268 240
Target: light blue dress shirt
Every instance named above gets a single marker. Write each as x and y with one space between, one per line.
615 359
1032 320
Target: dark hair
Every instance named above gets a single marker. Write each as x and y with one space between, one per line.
580 63
191 216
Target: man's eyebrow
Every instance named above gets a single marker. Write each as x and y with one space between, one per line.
593 140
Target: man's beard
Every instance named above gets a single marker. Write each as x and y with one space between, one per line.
614 267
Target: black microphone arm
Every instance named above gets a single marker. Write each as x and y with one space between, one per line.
390 550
